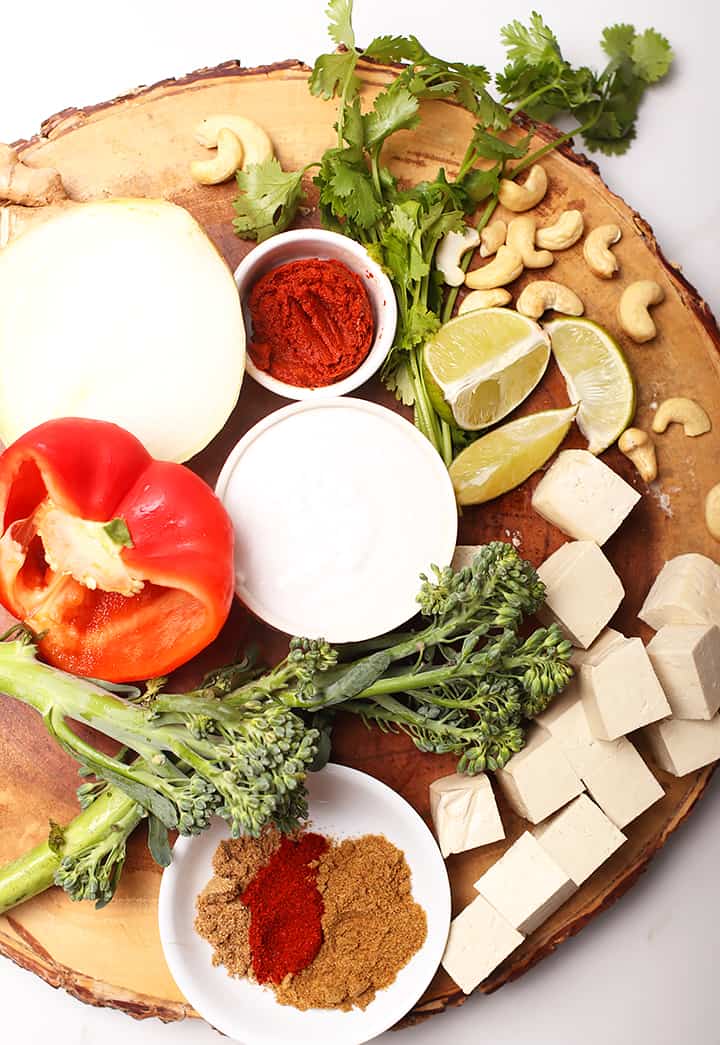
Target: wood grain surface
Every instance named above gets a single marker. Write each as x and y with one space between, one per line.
142 144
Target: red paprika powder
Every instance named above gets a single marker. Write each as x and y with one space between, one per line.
285 909
312 322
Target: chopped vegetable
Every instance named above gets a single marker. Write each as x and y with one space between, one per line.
402 227
122 564
240 746
121 310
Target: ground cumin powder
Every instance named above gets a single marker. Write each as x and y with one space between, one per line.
371 927
221 918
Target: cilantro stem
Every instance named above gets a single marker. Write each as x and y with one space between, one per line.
530 98
447 446
533 157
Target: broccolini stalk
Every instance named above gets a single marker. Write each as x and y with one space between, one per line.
89 853
244 762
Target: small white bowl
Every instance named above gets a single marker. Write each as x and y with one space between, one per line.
344 803
337 505
318 243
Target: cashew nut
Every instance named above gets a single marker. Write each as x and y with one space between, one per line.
225 162
597 253
682 411
256 144
543 294
633 309
452 247
567 230
518 198
521 237
504 268
640 449
477 299
492 237
712 512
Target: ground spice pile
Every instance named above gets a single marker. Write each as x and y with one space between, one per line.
371 927
325 924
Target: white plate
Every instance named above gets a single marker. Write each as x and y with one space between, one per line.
344 803
338 506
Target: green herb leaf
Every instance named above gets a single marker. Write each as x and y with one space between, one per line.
490 147
339 15
117 531
393 111
268 199
652 55
334 74
617 40
533 44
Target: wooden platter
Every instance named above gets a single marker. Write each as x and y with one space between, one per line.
142 145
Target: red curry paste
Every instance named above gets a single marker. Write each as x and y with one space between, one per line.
312 322
286 909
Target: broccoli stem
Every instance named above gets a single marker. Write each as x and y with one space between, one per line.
34 872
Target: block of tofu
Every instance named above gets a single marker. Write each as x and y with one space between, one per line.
686 591
686 659
464 812
464 555
613 771
607 638
526 885
539 780
582 591
583 497
621 691
479 940
580 838
681 746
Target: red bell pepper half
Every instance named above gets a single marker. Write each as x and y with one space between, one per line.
122 564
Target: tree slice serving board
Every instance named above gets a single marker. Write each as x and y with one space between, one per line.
142 144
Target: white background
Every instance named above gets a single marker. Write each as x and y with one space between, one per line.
644 973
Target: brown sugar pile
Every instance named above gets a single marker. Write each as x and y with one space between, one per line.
221 918
372 927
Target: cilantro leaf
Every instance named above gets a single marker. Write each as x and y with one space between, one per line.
617 40
334 74
268 199
393 110
347 198
339 15
490 147
652 55
479 183
396 49
400 381
533 44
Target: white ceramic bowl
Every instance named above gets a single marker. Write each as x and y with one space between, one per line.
317 243
338 506
344 803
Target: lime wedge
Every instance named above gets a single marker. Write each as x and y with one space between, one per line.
480 366
503 459
598 377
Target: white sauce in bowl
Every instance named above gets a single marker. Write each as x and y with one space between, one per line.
338 505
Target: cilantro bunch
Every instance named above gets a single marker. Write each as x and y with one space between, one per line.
401 226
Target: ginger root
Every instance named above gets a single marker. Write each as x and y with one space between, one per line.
27 186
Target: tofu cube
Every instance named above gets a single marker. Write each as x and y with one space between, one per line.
583 497
539 780
686 659
480 939
682 746
620 781
580 838
526 885
621 692
686 591
583 591
464 812
607 638
613 771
